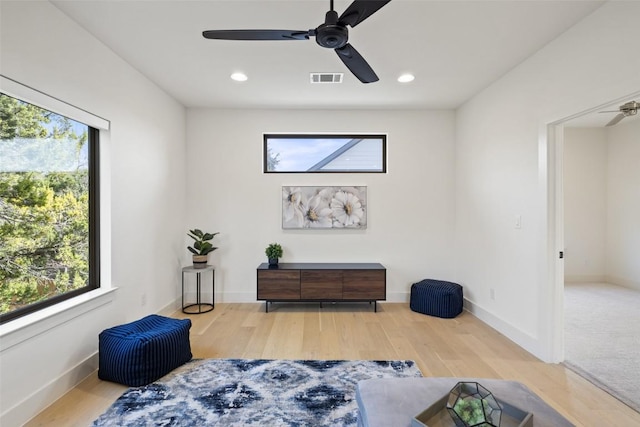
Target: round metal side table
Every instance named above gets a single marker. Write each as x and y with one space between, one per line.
199 306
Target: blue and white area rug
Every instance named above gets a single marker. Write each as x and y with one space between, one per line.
241 392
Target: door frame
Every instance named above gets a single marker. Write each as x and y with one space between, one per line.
552 170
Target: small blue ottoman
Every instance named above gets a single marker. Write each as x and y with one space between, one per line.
436 298
140 352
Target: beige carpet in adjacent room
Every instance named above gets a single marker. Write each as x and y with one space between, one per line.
602 337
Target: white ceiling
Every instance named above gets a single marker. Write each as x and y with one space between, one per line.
455 48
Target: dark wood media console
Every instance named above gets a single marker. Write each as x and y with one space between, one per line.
322 282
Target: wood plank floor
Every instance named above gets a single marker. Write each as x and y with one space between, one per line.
463 346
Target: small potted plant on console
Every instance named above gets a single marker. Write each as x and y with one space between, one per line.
201 247
273 252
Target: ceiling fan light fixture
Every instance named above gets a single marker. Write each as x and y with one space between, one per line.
333 34
406 78
239 77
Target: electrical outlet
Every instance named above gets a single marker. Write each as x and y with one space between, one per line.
492 294
143 299
518 221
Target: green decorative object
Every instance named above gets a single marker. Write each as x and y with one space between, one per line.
201 247
472 405
273 252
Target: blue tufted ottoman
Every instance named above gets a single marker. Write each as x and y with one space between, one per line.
436 298
140 352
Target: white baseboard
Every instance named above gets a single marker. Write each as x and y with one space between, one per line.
238 297
170 308
584 279
633 284
40 399
398 297
524 340
622 282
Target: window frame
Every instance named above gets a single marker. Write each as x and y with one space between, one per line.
310 136
93 147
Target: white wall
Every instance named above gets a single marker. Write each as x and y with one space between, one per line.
585 204
143 196
602 204
501 168
623 204
410 218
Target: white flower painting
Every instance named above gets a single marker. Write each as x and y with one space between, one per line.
324 207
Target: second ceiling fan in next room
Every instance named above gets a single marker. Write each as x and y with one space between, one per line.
332 34
627 109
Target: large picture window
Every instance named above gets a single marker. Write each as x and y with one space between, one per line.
285 153
49 225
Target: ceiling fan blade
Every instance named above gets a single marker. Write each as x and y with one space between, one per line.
257 34
360 10
616 119
356 64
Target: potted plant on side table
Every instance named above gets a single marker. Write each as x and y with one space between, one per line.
201 247
273 252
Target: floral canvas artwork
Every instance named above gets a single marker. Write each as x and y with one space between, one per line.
324 207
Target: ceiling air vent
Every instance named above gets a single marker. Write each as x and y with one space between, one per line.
326 77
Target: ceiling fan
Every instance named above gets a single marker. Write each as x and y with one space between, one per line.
625 110
332 34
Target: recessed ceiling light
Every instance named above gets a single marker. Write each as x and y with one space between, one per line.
239 77
406 78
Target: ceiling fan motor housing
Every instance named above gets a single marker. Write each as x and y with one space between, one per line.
630 108
331 34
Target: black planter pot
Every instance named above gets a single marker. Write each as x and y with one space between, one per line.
273 262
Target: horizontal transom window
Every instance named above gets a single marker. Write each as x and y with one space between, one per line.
309 153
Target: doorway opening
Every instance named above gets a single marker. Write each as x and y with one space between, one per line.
591 182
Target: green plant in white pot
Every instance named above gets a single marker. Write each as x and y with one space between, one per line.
201 247
273 252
